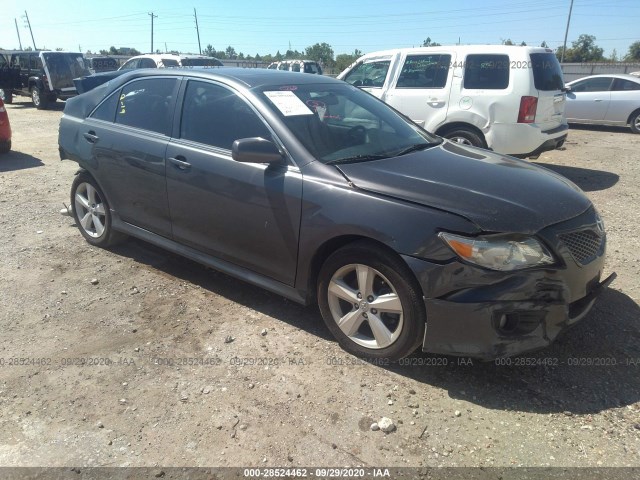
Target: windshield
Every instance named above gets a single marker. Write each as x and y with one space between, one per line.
341 124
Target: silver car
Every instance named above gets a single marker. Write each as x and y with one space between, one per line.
605 100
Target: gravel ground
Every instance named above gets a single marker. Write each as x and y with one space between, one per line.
136 357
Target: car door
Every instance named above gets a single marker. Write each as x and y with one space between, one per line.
244 213
625 98
422 88
589 99
126 139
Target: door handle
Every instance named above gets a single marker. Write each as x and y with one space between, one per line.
91 136
598 100
180 163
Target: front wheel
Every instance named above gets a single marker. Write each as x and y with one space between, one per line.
370 302
91 212
39 99
465 136
635 122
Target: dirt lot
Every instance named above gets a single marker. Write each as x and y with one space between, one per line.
132 369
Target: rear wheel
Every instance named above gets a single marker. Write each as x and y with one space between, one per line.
40 100
465 136
91 212
370 302
634 122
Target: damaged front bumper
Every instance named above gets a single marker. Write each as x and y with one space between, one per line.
487 314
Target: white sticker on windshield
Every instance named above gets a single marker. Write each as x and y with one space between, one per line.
288 103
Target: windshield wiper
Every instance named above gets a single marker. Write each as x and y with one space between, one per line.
356 158
416 147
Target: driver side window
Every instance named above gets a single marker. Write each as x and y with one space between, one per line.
369 74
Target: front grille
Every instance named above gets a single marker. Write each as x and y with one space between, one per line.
583 244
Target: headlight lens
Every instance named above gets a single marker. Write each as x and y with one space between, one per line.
500 252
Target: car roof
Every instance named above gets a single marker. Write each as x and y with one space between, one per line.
624 76
459 48
249 77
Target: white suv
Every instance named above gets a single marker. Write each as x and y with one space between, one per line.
507 98
164 60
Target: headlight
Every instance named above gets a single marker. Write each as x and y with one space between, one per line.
500 252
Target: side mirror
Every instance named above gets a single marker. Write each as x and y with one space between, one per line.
255 150
567 88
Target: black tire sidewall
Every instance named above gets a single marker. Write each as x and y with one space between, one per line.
473 137
105 239
44 103
632 123
394 269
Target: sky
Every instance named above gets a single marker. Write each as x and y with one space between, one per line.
265 27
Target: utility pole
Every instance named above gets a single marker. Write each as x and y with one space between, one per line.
197 30
29 25
18 32
152 17
566 32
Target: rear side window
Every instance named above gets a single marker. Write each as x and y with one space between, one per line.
424 71
486 72
547 73
147 63
622 85
146 104
312 68
369 74
170 62
107 109
295 67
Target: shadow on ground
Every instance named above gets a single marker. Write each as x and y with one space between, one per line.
587 179
18 161
594 366
601 128
28 104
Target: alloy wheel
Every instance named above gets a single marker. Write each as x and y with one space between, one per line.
365 306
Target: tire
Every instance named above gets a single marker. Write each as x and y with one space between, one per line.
91 212
6 96
634 122
385 279
40 100
465 136
5 147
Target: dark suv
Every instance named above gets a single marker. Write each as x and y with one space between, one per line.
42 75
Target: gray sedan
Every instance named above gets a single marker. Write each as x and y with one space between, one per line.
318 191
605 100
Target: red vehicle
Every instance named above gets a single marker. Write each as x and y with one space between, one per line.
5 129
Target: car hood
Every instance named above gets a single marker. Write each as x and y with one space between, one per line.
496 192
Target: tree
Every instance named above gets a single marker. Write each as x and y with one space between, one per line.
633 55
209 51
582 50
345 59
544 44
523 43
231 52
429 43
322 53
507 42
